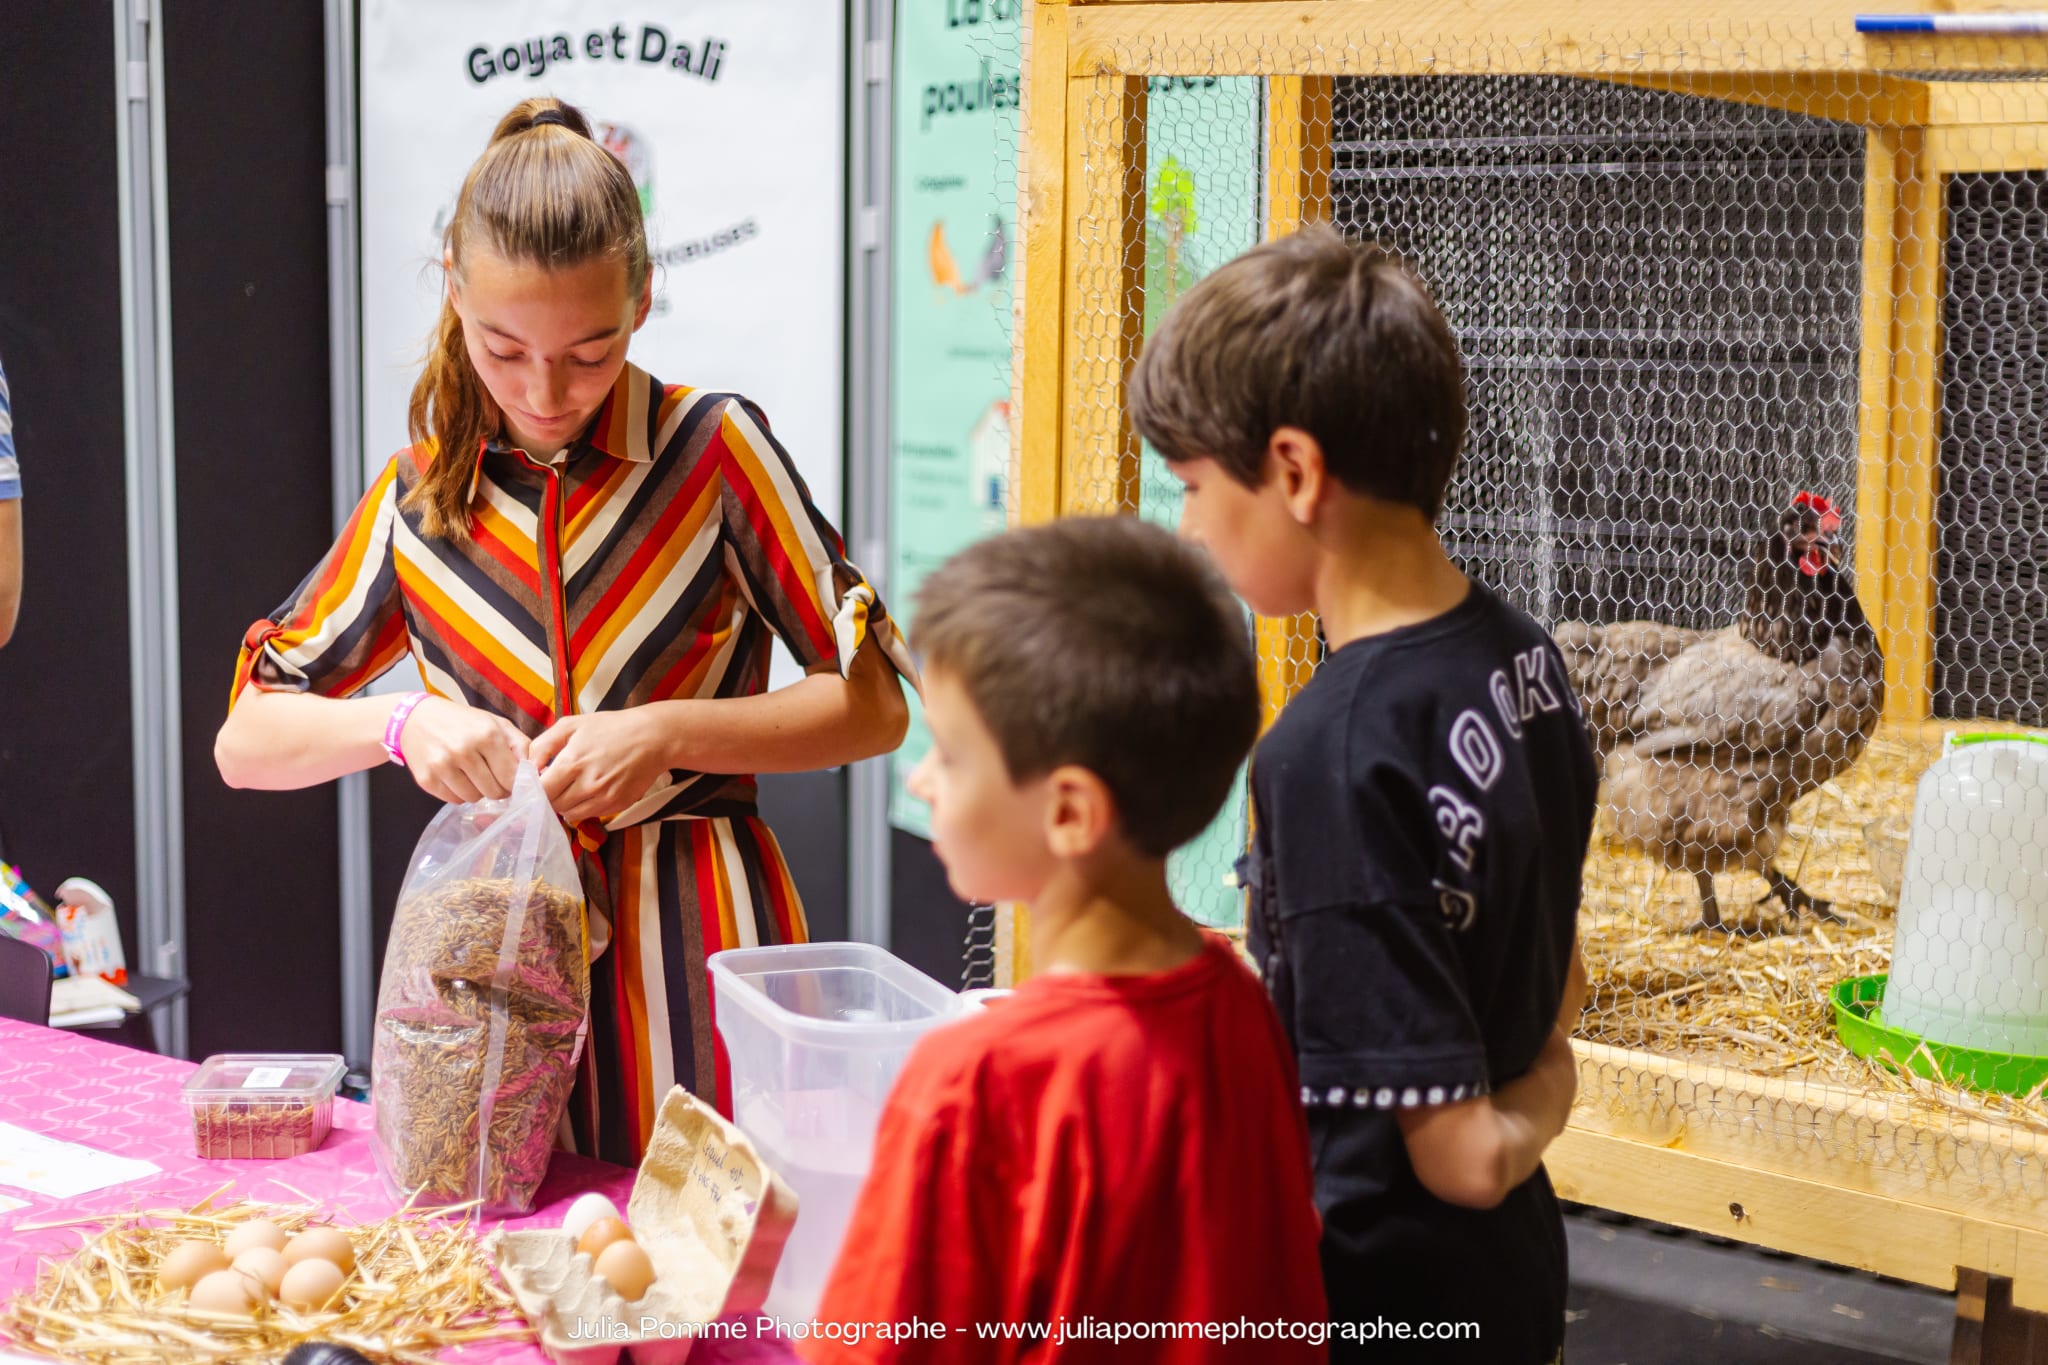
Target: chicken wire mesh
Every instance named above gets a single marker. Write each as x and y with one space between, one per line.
1992 612
1759 429
1658 301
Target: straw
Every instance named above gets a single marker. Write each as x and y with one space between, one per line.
1757 999
422 1284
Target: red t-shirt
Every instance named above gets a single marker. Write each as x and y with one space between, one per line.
1092 1151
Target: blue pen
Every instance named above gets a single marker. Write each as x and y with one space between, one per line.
1994 24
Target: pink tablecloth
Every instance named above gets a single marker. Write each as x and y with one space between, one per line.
127 1102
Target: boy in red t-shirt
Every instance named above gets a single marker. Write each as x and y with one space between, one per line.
1112 1162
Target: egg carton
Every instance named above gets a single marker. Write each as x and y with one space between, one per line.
710 1215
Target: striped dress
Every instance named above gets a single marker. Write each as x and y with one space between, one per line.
651 560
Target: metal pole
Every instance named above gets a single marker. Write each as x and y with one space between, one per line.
870 126
150 463
345 394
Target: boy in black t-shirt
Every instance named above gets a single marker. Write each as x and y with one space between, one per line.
1422 806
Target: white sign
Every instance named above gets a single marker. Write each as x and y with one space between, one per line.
62 1170
729 113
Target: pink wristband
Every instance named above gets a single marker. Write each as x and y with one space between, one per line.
394 725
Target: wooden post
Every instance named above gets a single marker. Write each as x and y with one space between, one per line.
1973 1294
1907 627
1299 114
1988 148
1827 1218
1105 291
1534 37
1083 183
1042 272
1866 98
1989 1329
1013 944
1135 117
1039 323
1874 422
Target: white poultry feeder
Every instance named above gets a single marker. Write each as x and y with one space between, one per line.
1970 955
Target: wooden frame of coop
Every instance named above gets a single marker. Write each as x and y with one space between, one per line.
1709 1148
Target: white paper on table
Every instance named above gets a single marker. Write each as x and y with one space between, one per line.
9 1206
61 1170
106 1014
76 994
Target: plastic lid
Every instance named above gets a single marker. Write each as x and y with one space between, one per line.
1993 737
266 1075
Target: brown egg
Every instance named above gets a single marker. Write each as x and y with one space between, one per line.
311 1284
627 1268
602 1234
227 1291
257 1232
267 1265
329 1244
188 1264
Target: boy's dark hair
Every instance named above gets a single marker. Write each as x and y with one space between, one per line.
1316 332
1107 643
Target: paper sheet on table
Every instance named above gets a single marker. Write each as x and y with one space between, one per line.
60 1170
9 1206
77 994
107 1014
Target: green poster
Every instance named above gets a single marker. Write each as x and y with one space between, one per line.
957 92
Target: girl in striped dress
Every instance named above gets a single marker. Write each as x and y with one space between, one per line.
587 566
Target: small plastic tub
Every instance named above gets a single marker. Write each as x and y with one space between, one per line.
262 1105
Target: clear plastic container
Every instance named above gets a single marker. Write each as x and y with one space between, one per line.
262 1105
816 1033
1970 954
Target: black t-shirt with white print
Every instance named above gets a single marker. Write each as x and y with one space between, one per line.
1423 807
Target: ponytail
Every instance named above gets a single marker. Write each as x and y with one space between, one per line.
546 193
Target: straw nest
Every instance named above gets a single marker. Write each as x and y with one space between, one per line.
422 1284
1758 999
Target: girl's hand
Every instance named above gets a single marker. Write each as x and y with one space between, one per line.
459 753
595 766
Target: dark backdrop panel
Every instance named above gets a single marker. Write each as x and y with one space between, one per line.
245 123
67 793
399 812
927 922
807 811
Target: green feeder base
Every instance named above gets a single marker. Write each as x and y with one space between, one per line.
1859 1022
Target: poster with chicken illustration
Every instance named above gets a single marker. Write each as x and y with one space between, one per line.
991 268
954 223
954 227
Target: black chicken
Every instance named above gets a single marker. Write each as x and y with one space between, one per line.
1710 737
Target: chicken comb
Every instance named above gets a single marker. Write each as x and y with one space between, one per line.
1830 519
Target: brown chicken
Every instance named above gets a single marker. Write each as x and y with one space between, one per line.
1710 737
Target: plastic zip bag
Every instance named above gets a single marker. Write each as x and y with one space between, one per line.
484 1005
